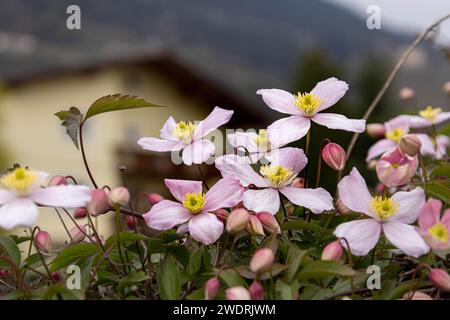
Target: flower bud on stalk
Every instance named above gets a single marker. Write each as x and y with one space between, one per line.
375 130
79 213
237 293
56 277
262 260
440 278
154 198
118 197
298 182
342 208
130 222
78 233
99 203
334 156
395 168
43 241
416 295
222 215
254 226
212 288
57 181
4 273
446 88
237 220
269 222
406 93
256 291
332 251
410 144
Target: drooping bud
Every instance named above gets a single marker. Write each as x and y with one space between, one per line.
130 221
118 197
222 215
416 295
395 168
4 273
79 213
212 288
262 260
406 93
379 188
269 222
56 277
237 293
332 251
256 291
375 130
99 202
342 208
154 198
334 156
298 182
410 144
57 181
237 220
43 241
446 88
78 233
254 226
440 278
372 164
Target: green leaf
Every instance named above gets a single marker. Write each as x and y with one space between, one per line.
231 278
323 268
274 270
33 261
117 102
286 291
73 253
195 261
181 253
169 279
198 294
85 265
301 225
131 277
293 260
439 189
71 119
125 236
442 169
10 248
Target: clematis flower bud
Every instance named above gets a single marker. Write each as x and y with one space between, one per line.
395 168
332 251
379 188
440 278
57 181
56 277
256 291
118 197
410 144
342 208
416 295
4 273
298 182
254 226
262 260
154 198
99 202
334 156
212 288
222 215
43 241
130 222
446 88
78 233
79 213
237 220
372 164
375 130
269 222
237 293
406 93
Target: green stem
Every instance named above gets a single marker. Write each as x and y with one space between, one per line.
203 176
424 174
83 154
119 247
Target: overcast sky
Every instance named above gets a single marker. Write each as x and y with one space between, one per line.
405 15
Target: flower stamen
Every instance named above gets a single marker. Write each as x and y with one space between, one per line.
194 202
395 134
430 113
20 180
276 175
262 141
184 131
307 102
384 207
439 232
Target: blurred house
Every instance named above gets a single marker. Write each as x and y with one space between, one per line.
32 135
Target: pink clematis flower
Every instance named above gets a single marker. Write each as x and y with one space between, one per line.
434 147
434 229
429 117
285 165
195 208
22 192
306 107
389 215
188 137
396 169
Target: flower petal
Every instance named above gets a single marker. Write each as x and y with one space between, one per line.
62 196
442 143
198 152
6 196
292 158
405 237
427 148
205 227
362 235
243 140
446 219
442 117
279 100
179 188
159 145
410 204
262 200
338 121
238 167
227 192
330 91
20 212
317 200
419 122
399 122
166 214
380 147
214 120
430 213
354 193
166 131
289 129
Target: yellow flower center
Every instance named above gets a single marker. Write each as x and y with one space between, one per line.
194 202
439 232
20 180
184 131
384 207
276 175
262 141
395 134
430 113
307 102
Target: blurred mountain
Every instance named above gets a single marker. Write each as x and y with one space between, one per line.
243 45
